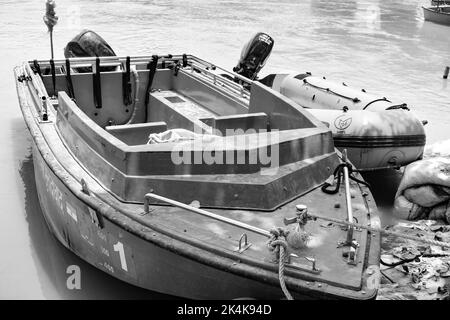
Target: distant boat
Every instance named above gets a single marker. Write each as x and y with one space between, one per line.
439 2
438 14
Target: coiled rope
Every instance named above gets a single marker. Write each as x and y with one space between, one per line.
50 18
338 173
278 244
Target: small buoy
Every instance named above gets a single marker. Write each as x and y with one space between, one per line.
447 69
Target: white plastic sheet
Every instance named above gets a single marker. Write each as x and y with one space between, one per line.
173 135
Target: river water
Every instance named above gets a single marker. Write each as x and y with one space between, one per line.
383 46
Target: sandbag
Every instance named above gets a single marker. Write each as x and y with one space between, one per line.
424 190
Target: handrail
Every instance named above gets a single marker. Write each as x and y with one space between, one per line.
111 58
202 212
84 61
223 81
210 71
42 105
348 198
208 64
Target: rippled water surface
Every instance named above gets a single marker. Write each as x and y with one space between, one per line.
382 46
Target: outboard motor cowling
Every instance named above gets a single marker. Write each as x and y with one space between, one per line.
254 55
88 44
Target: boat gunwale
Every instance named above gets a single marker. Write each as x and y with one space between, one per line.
442 13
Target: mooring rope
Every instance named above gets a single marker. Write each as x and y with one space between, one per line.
278 244
338 173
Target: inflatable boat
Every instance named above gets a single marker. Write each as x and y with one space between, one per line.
377 133
165 175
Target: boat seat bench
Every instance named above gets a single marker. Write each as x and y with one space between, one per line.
185 113
179 111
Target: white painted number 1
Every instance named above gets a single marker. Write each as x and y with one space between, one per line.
123 262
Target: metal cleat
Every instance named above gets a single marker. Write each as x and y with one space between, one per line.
243 246
301 216
299 266
352 252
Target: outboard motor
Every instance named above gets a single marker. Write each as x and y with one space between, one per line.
254 55
88 44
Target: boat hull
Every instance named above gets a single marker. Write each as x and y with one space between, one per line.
440 2
443 17
146 264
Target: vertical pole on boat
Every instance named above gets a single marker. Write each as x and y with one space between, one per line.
348 199
51 44
50 19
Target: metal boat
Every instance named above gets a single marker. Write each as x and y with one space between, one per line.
233 204
438 14
440 2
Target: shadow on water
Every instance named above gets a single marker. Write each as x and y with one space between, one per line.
52 258
384 185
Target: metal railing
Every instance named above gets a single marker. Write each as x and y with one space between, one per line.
209 70
42 99
202 212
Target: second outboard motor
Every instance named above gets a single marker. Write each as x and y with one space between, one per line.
254 55
88 44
